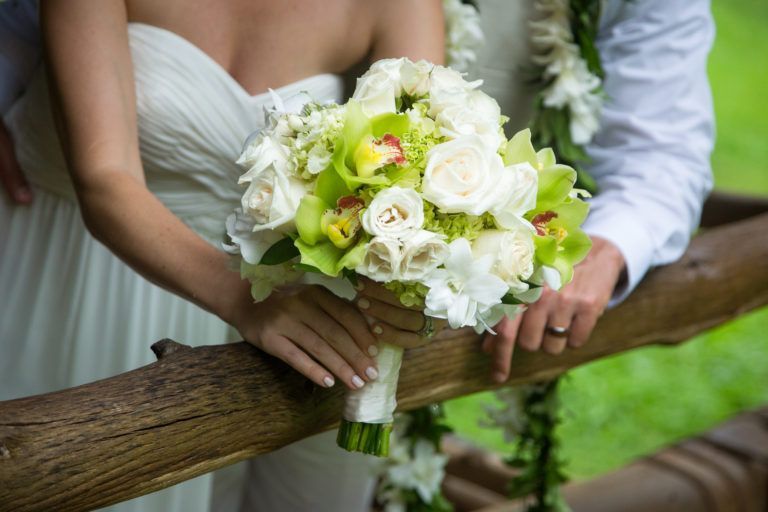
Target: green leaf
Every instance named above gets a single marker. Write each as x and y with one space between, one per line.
323 256
281 251
308 217
511 299
307 268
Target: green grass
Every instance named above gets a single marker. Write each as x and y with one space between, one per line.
630 405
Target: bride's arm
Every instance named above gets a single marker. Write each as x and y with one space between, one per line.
93 88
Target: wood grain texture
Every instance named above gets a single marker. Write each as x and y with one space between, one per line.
196 410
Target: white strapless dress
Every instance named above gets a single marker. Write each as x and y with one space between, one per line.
71 312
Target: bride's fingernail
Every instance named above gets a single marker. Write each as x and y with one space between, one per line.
328 382
373 350
363 303
372 373
357 382
377 329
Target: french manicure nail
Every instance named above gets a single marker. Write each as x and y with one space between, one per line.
377 329
373 350
364 303
328 382
357 382
499 377
371 373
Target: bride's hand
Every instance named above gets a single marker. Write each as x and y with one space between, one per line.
315 332
392 322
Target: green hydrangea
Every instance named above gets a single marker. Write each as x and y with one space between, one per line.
410 294
456 225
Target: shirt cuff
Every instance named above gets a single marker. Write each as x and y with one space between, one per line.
631 238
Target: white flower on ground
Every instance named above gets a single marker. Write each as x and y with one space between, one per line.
465 290
424 472
463 176
382 259
463 34
512 254
377 89
394 212
421 254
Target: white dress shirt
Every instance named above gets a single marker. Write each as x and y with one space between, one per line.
650 157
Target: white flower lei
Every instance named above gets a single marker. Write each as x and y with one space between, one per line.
463 34
571 84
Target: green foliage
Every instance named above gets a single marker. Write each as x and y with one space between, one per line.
281 251
537 454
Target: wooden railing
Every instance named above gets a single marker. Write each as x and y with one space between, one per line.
199 409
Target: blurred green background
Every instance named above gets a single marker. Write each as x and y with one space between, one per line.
630 405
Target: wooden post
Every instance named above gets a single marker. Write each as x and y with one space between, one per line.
196 410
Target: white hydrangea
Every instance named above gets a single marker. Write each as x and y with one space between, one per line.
572 86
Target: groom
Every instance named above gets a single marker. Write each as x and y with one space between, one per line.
650 157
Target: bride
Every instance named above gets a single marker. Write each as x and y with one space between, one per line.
152 101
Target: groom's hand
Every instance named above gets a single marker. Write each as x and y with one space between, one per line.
10 174
560 318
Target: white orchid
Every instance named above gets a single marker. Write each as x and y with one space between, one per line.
423 472
465 291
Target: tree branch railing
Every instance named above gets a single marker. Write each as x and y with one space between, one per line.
199 409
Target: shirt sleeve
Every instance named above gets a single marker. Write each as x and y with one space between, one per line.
20 48
650 157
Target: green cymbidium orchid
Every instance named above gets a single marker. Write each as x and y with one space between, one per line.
560 242
366 146
342 224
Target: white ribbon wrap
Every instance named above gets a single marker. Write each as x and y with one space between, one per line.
375 402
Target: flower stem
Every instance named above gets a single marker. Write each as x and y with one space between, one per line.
370 438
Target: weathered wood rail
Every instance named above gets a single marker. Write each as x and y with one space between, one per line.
197 410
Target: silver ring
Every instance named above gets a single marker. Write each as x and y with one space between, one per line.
558 332
429 328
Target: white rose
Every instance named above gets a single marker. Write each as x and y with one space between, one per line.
262 151
520 183
462 176
475 113
251 246
446 79
415 77
512 252
422 253
382 260
377 89
394 212
272 199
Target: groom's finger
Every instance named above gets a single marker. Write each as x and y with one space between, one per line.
503 347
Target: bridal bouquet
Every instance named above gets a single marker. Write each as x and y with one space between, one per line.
412 183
